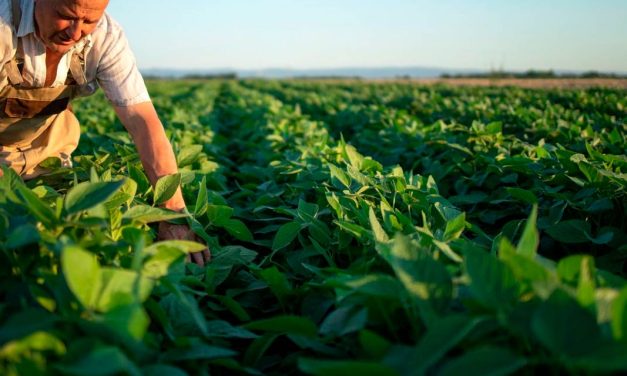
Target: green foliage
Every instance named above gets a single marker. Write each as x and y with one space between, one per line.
367 228
166 187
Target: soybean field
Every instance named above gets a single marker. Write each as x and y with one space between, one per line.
355 228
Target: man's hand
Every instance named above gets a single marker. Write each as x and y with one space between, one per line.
168 231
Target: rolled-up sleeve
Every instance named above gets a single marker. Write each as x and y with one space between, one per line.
6 33
117 72
5 52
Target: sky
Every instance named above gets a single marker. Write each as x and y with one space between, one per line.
313 34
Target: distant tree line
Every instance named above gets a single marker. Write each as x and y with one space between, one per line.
532 73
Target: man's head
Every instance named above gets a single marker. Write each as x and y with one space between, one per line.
62 23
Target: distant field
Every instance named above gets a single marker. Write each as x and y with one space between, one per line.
535 83
561 83
357 228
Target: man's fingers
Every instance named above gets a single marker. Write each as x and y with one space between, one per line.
170 231
197 257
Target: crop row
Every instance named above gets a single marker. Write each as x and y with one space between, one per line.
374 229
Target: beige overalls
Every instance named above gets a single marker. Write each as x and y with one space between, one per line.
36 123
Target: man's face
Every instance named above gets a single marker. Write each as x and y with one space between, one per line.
62 23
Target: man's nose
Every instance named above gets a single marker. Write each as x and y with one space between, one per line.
75 31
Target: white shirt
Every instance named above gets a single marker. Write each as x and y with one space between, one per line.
109 61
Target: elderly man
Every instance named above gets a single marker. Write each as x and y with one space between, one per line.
52 51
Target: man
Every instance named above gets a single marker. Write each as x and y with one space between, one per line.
54 50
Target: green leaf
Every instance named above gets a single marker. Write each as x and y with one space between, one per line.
357 176
185 316
258 347
223 329
162 369
320 233
286 325
277 282
35 342
601 205
234 307
354 158
586 286
527 270
147 214
234 255
602 238
491 281
219 214
26 322
570 232
579 270
22 236
470 198
425 279
307 211
355 230
619 317
103 361
441 337
379 233
159 264
528 243
51 163
121 287
488 361
373 344
564 327
125 195
403 249
143 184
198 351
522 195
82 274
129 319
455 228
376 285
494 127
87 195
166 188
344 320
237 229
184 246
369 164
344 367
202 200
609 358
286 234
188 155
40 210
339 175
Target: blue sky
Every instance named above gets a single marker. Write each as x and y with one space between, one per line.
482 34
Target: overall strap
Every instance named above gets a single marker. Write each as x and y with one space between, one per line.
13 73
77 67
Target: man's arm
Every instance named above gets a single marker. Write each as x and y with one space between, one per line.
143 124
157 157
